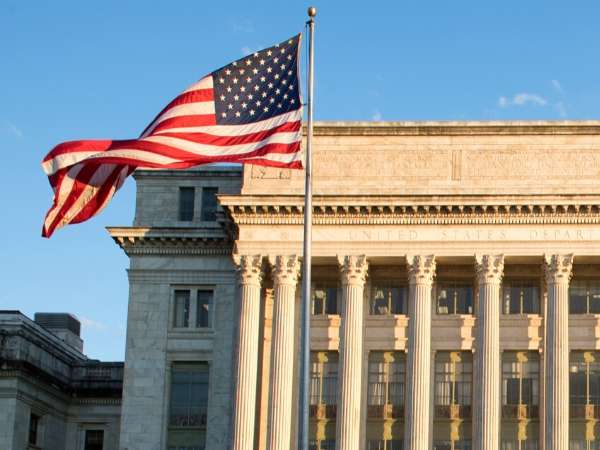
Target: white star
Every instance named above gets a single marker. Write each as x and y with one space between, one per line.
228 88
283 81
223 115
248 62
262 62
256 88
266 109
289 57
275 60
291 87
242 71
250 96
255 70
221 80
264 94
236 97
244 105
285 96
282 49
256 54
251 112
279 105
269 52
228 72
237 114
263 79
289 72
257 102
235 80
282 66
277 91
276 76
243 88
270 85
222 97
271 100
269 70
234 63
230 106
290 41
292 101
248 79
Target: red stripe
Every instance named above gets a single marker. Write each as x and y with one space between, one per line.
79 146
197 120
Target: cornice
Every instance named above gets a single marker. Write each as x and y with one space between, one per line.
137 241
441 128
254 210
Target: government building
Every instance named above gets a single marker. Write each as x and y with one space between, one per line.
455 295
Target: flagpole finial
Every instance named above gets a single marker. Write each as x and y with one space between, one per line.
312 12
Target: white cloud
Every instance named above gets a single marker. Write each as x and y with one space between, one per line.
92 324
522 99
376 116
561 109
13 129
557 86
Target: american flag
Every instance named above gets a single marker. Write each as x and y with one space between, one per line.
249 111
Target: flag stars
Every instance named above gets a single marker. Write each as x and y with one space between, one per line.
223 98
223 114
228 72
264 95
235 80
263 79
282 67
257 87
242 71
236 97
244 105
289 57
255 71
250 96
237 114
221 80
251 112
282 50
266 109
228 88
230 106
243 89
257 103
249 61
262 62
275 60
269 52
269 70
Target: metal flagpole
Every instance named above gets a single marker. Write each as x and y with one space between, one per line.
307 259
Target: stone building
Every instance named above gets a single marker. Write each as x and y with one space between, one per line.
52 396
455 298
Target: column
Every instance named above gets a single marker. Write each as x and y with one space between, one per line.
558 270
421 271
244 407
486 401
285 278
353 275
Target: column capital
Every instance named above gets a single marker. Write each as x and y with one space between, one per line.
285 269
250 268
353 269
489 268
558 268
421 269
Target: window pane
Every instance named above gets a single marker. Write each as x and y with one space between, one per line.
205 299
34 421
209 204
454 298
182 309
186 203
379 301
189 396
331 303
531 300
324 300
94 439
578 297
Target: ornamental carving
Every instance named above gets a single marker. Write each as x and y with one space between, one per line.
285 269
353 269
489 268
558 268
250 268
421 269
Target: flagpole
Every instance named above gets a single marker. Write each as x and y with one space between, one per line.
307 257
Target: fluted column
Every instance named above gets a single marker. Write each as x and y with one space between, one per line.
486 401
558 269
421 271
285 278
353 275
244 407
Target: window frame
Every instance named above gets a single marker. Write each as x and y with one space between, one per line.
204 212
320 361
193 308
389 286
392 365
519 360
588 283
453 359
509 284
180 204
327 286
454 284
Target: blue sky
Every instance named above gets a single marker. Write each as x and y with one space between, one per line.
75 70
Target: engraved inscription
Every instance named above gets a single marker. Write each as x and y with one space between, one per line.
270 173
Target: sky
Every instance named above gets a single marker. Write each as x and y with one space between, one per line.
84 70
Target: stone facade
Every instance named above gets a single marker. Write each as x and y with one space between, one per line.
466 229
49 387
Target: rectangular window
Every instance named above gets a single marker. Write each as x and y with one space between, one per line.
584 379
453 378
454 298
203 316
383 444
208 212
584 297
94 439
186 204
520 378
34 423
387 375
324 299
527 444
387 300
193 308
323 378
461 444
521 297
323 444
188 406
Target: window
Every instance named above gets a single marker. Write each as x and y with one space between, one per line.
94 439
462 444
324 299
582 444
34 424
520 378
521 297
453 378
387 300
188 405
454 298
584 297
192 308
209 204
382 444
529 444
584 378
323 378
186 204
387 374
324 444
